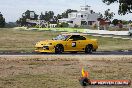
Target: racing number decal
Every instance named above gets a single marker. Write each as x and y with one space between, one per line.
73 44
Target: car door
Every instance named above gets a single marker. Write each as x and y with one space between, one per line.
71 44
80 43
76 43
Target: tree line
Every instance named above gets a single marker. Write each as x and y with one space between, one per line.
48 16
2 21
125 7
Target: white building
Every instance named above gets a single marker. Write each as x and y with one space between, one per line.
83 17
40 23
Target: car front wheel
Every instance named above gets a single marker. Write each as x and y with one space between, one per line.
59 49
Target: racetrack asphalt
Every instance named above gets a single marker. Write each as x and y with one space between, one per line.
127 52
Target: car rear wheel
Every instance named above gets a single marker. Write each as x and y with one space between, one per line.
59 49
89 49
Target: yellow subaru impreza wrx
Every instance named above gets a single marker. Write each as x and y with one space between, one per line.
71 42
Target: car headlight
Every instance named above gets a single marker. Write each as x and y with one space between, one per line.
36 43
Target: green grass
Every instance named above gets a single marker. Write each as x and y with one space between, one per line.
54 29
13 40
21 40
109 44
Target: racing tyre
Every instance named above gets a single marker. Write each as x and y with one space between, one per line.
89 49
59 49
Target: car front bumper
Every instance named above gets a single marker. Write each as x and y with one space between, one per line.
45 49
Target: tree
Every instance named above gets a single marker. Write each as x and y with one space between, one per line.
59 16
129 21
49 15
115 22
2 21
41 17
100 15
125 6
120 24
125 22
65 14
10 25
54 20
21 21
31 15
108 15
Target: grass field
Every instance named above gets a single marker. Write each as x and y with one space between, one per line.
12 40
55 71
22 41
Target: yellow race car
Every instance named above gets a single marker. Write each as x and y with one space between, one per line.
68 42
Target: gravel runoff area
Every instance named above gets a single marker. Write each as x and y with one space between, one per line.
61 71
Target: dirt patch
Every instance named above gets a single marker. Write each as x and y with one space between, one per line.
60 71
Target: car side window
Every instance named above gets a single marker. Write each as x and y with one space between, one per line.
77 37
82 38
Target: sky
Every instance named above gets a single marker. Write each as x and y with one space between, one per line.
13 9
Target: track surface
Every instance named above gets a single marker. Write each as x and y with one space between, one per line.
94 53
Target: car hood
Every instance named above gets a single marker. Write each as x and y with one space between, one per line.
46 42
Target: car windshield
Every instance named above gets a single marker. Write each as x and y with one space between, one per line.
61 37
